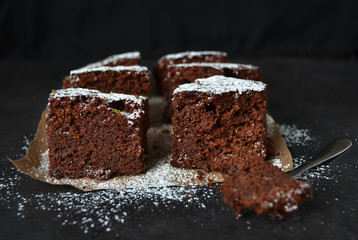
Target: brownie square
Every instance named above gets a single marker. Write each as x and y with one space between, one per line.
118 79
160 69
123 59
96 135
219 121
178 74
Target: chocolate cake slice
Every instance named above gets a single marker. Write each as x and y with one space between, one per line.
118 79
96 135
219 124
123 59
178 74
264 188
160 69
219 121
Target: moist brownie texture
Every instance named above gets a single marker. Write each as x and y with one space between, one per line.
118 79
185 57
219 121
264 188
178 74
96 135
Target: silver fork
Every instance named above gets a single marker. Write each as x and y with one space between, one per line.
332 150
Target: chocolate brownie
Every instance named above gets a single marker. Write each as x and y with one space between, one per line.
264 188
178 74
118 79
123 59
219 121
96 135
185 57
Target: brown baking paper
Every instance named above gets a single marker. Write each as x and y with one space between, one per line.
159 174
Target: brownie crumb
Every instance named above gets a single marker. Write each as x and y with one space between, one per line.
263 188
200 175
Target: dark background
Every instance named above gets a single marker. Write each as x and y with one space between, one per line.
307 51
95 29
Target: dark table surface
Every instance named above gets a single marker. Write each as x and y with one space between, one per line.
319 96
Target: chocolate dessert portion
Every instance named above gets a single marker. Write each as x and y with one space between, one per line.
123 59
160 69
217 122
118 79
178 74
258 185
96 135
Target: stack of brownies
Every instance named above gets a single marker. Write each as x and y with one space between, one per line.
97 125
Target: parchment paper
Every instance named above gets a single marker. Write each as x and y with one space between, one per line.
160 173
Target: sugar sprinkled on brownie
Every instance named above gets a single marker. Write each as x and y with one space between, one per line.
190 54
221 84
109 97
112 97
215 65
118 79
106 68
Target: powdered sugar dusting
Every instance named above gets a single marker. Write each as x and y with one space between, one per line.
278 163
106 68
99 210
190 54
108 97
295 136
318 173
215 65
114 59
221 84
291 204
27 143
